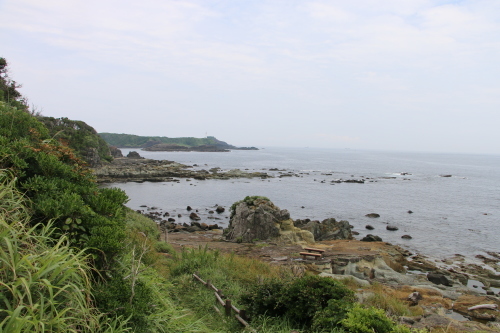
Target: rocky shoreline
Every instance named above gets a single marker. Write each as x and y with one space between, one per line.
446 291
126 169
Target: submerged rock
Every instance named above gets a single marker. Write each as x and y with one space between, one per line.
371 238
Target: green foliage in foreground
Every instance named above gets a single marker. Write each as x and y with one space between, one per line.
277 301
45 284
310 300
60 187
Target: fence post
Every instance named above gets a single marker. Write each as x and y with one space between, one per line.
228 307
208 284
243 315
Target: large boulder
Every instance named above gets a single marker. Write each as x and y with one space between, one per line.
115 152
328 229
257 218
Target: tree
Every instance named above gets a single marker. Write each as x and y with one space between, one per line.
8 88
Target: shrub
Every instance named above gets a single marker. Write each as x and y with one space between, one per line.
265 299
301 299
367 320
45 283
60 187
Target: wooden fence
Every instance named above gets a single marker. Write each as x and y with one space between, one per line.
226 304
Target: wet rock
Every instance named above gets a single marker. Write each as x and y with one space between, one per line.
171 219
437 278
371 238
373 215
410 212
220 209
369 227
194 216
406 237
392 228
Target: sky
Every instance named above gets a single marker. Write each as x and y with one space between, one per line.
412 75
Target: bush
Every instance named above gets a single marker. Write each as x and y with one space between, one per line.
45 283
265 299
367 320
60 187
301 300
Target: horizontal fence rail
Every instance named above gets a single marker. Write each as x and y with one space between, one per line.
229 308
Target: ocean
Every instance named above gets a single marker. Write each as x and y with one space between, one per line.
456 214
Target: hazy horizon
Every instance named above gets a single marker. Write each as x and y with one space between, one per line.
417 75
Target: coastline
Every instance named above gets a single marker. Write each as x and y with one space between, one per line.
412 268
125 169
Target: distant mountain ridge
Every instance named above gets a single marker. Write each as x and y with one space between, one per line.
171 144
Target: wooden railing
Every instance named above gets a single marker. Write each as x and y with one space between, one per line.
220 299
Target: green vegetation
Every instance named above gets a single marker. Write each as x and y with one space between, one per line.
60 187
73 258
136 141
8 88
45 284
81 137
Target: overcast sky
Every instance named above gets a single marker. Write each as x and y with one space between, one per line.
410 75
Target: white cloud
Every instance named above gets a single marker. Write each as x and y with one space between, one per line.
324 58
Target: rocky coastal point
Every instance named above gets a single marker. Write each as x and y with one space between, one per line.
445 293
134 168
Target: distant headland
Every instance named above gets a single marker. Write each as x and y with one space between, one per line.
162 143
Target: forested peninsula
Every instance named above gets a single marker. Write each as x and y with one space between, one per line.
161 143
74 258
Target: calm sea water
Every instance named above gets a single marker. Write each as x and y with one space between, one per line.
457 214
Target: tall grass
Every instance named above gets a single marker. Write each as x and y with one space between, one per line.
44 283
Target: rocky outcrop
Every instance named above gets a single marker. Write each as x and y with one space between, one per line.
328 229
91 156
134 154
140 170
260 219
115 152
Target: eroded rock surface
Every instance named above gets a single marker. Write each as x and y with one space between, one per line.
260 219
